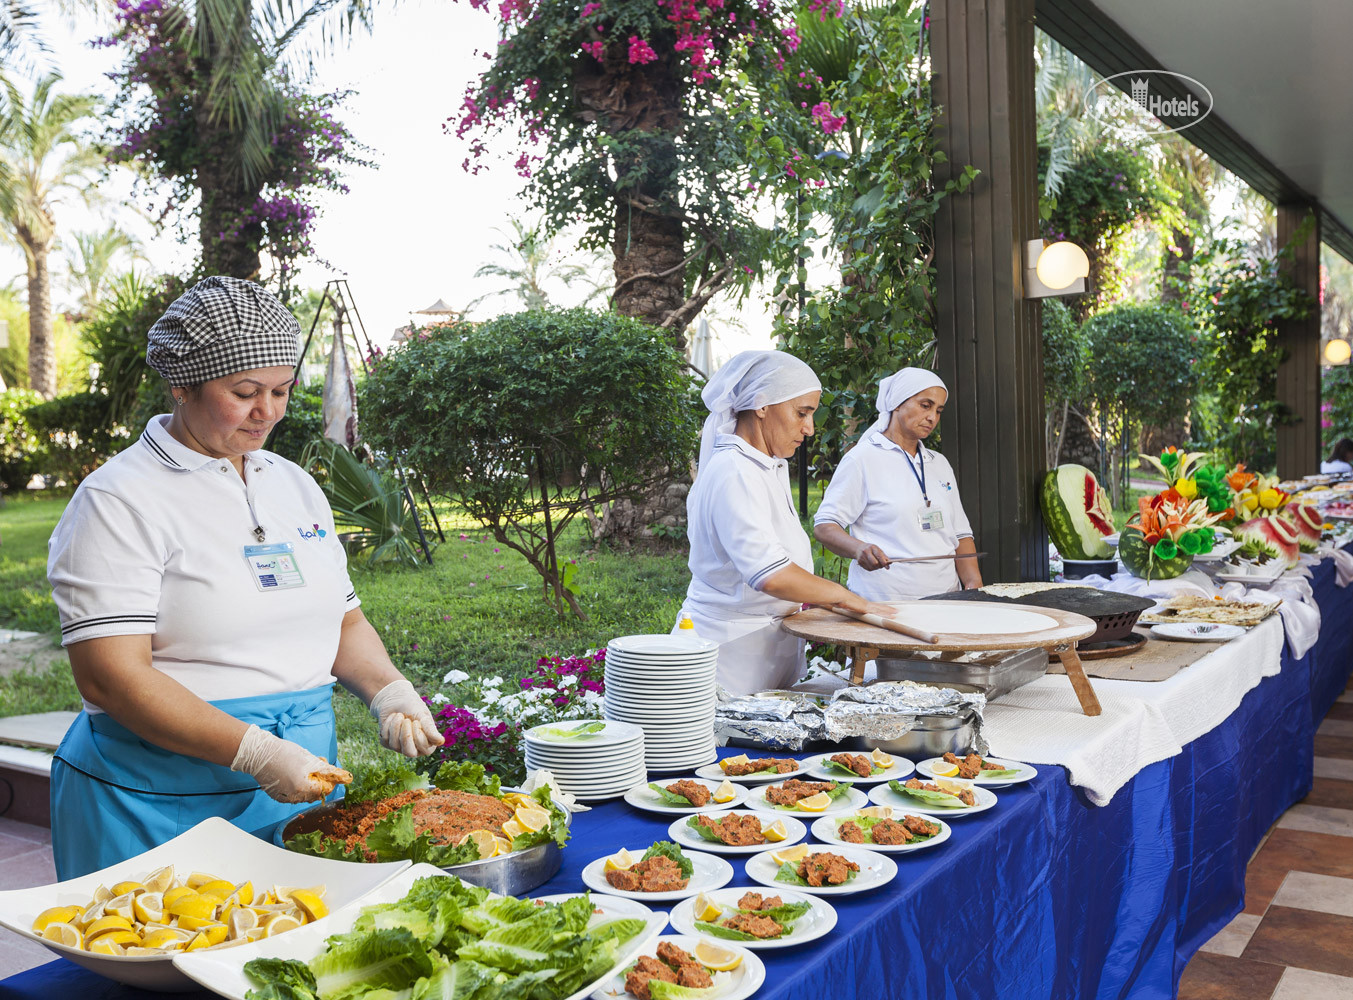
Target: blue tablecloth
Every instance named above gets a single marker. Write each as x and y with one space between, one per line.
1044 896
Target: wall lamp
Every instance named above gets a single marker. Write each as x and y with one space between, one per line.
1054 269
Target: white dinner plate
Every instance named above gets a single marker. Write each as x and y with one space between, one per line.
216 846
1027 772
223 971
716 773
660 644
681 832
824 829
853 799
737 984
875 870
708 873
816 923
615 734
1198 632
1220 550
643 797
816 767
885 796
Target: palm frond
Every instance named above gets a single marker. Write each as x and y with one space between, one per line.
363 499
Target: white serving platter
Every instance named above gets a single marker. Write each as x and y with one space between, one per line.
222 972
1252 574
643 797
850 802
1027 772
616 734
876 869
1197 632
214 846
681 832
708 873
885 796
714 772
817 767
824 829
736 984
816 923
662 645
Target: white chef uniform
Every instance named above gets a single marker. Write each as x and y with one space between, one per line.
743 529
876 496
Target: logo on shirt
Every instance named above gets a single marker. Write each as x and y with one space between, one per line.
947 486
317 533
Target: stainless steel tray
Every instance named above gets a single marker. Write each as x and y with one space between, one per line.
994 674
510 875
932 736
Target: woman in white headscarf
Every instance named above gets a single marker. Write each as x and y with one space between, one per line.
892 497
751 561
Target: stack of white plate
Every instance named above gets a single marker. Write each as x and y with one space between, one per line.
665 683
589 766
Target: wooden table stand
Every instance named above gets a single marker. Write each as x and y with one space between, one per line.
1071 663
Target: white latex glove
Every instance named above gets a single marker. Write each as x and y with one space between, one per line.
287 771
406 724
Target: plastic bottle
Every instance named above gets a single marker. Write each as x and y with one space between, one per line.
685 626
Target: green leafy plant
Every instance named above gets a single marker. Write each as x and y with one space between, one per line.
22 452
365 500
529 419
115 338
77 435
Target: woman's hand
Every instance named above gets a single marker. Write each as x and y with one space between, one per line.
872 557
287 771
405 723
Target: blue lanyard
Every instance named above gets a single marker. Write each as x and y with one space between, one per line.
920 476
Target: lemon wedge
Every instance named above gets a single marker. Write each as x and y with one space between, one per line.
95 912
63 933
728 762
501 845
160 879
198 879
876 812
515 799
199 907
725 792
165 940
621 861
124 887
311 905
149 907
942 770
512 829
533 819
816 803
102 894
197 943
482 839
705 909
106 925
121 938
215 933
776 832
792 855
881 759
241 922
244 893
192 923
717 958
219 888
280 923
120 906
954 787
178 892
55 915
102 947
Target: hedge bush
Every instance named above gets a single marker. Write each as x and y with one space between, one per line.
21 450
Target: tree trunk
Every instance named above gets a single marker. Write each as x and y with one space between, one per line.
647 243
41 345
228 226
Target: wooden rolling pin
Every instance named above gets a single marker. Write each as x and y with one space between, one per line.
891 624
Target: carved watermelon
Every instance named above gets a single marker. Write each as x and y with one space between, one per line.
1274 535
1139 559
1308 522
1077 512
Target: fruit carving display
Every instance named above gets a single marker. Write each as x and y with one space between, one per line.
1077 512
1168 530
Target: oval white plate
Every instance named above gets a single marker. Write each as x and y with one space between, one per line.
709 873
737 984
643 797
686 837
817 768
715 773
851 801
885 796
814 924
824 829
1027 772
875 870
1198 631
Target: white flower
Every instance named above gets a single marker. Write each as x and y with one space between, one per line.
568 681
455 677
493 682
591 698
490 696
440 699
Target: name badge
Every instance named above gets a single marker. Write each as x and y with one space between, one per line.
930 519
274 567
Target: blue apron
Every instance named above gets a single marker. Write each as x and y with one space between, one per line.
114 795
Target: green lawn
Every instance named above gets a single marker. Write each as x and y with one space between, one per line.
26 522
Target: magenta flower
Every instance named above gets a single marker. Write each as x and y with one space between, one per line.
594 49
830 123
640 51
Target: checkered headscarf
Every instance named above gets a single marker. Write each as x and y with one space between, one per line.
220 326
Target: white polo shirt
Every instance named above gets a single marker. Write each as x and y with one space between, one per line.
875 495
742 529
153 542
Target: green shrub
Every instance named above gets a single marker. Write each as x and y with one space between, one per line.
303 424
22 452
115 337
1143 360
77 434
528 419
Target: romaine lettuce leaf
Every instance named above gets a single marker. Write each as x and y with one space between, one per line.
370 784
557 830
670 798
528 945
499 911
786 913
789 873
619 930
667 849
838 789
570 732
281 979
704 832
1009 772
833 765
942 799
457 981
466 776
659 989
316 844
391 958
719 930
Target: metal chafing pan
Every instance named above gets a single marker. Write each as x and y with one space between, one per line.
993 673
932 736
509 875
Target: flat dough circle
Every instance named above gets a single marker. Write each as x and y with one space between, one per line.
978 619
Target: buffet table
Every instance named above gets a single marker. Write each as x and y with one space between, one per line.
1045 896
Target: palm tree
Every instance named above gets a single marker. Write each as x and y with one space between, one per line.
18 33
41 154
90 262
527 255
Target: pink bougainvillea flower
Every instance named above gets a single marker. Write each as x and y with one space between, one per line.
595 49
640 51
830 123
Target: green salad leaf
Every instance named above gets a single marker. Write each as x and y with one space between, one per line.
667 849
784 915
670 798
789 873
838 789
866 823
466 776
660 989
704 832
1009 772
389 959
833 765
573 732
942 799
284 979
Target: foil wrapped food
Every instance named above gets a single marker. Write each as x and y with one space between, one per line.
787 720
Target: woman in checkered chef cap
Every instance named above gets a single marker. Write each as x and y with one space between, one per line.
206 606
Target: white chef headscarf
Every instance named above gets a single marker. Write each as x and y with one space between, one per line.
899 387
751 380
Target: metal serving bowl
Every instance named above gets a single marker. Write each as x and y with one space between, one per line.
932 736
510 875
